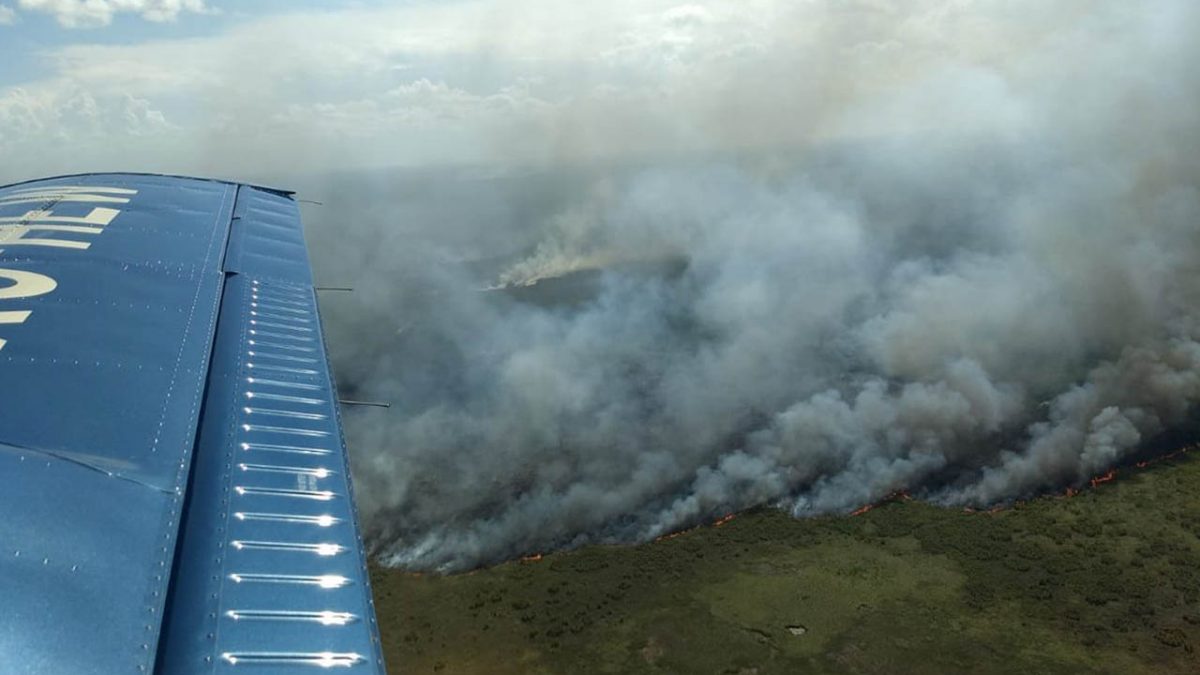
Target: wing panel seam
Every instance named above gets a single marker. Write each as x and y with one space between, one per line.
174 517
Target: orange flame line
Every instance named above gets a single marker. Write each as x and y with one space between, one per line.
898 495
1110 475
672 535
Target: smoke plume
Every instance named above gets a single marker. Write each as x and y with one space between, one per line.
957 257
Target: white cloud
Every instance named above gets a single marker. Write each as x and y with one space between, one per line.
7 15
54 129
545 81
73 115
91 13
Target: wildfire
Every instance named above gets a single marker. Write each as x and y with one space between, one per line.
1096 481
898 495
716 523
903 495
1182 451
672 535
532 558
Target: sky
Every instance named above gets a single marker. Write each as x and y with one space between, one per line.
252 88
220 87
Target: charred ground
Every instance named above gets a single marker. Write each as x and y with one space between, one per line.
1102 582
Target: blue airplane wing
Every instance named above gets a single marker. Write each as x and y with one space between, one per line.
174 492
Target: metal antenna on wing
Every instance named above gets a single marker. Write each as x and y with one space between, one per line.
372 404
346 401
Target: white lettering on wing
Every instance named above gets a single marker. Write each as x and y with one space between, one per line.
15 231
56 197
14 235
99 217
73 188
25 285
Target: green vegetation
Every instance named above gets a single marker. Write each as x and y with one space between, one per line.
1105 582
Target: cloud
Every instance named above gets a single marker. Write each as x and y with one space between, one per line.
417 84
52 129
92 13
7 15
537 82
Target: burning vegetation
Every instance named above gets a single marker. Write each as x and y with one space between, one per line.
904 496
1102 583
1094 482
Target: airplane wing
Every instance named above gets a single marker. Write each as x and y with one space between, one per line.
174 492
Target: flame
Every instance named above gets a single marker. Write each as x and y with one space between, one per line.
1172 455
716 523
898 495
903 495
861 510
532 558
672 535
1096 481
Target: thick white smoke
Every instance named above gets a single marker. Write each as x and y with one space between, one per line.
970 272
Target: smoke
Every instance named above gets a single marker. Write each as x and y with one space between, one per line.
705 256
944 247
